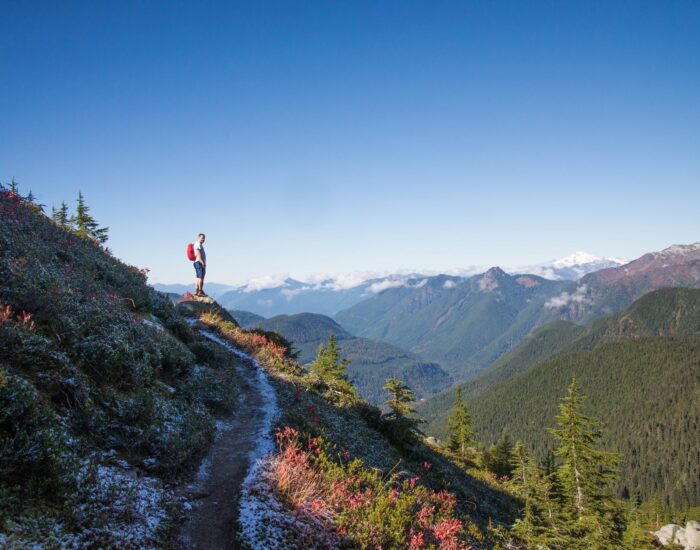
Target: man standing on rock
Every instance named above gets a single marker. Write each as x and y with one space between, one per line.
200 265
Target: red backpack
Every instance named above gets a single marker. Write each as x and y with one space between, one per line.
190 252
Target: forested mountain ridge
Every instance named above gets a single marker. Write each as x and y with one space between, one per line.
371 362
641 370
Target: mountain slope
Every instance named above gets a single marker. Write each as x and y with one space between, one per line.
462 324
371 362
245 318
543 343
610 290
105 392
641 369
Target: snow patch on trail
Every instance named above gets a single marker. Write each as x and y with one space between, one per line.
259 509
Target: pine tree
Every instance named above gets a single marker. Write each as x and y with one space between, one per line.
328 364
538 525
586 473
62 218
460 423
14 187
499 457
31 204
85 225
400 402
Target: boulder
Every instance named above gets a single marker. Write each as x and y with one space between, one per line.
688 538
692 535
670 533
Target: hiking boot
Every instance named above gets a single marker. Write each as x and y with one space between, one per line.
202 295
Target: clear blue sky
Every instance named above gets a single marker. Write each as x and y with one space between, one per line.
308 137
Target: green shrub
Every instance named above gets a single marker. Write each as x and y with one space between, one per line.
35 460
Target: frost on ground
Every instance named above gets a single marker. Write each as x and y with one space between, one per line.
263 519
131 511
266 523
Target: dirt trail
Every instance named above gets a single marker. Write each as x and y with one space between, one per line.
215 492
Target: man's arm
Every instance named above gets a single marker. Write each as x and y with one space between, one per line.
198 256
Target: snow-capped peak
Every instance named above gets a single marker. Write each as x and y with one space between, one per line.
577 258
572 267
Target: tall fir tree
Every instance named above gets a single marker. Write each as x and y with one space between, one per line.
400 404
13 187
460 423
85 225
62 217
585 474
538 526
328 364
498 457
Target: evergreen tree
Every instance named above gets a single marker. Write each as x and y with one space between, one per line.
585 474
460 423
538 525
400 402
14 187
499 457
62 218
30 202
85 225
328 364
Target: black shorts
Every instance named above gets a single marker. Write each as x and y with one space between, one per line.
199 270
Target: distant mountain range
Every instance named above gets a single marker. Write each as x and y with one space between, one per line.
274 296
641 371
462 324
467 324
371 362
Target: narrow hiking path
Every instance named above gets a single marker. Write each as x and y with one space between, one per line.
241 439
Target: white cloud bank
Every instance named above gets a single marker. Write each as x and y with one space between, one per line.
579 296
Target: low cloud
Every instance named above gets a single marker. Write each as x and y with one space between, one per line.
383 285
579 296
262 283
449 284
290 293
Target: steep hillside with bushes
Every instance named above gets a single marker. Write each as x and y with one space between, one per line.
106 394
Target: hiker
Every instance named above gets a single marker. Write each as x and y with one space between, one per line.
200 265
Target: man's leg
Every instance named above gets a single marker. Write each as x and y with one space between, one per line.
197 285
